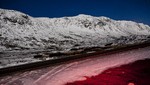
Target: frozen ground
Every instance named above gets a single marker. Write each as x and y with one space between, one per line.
60 74
12 58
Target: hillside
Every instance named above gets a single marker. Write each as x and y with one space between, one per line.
19 31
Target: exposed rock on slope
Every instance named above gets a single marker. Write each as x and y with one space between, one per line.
21 31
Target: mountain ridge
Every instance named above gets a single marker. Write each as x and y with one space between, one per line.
21 31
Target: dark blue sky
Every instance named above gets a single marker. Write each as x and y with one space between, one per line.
136 10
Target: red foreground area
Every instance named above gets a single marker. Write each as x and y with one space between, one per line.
137 73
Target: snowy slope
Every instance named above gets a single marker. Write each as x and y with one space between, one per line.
21 31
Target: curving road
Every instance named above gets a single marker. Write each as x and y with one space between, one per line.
75 70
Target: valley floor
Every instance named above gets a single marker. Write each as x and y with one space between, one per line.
81 69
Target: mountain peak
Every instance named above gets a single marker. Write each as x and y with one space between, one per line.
84 15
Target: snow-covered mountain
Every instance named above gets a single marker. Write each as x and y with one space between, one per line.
21 31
